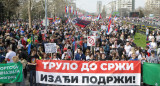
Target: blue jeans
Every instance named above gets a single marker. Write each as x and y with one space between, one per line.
32 78
2 58
147 36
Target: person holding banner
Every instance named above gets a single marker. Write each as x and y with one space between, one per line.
24 63
64 52
80 55
66 57
133 57
92 58
32 67
10 55
103 57
97 55
55 57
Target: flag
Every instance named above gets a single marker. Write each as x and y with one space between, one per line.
69 9
67 21
89 16
73 12
151 74
76 12
66 9
29 47
109 20
148 44
115 18
99 17
81 23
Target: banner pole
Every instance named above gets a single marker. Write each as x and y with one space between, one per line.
51 55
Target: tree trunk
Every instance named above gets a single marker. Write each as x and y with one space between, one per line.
29 15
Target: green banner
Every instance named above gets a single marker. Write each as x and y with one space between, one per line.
11 72
151 74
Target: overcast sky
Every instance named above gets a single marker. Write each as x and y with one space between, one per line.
90 5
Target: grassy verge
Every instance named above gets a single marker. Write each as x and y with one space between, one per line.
140 40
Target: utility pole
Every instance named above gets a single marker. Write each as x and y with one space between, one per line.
29 14
46 14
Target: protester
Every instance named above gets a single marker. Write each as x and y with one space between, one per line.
153 58
133 57
71 44
10 55
142 57
80 55
32 67
24 63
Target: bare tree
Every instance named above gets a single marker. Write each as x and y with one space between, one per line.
10 7
104 12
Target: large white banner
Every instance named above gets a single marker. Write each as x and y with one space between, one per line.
103 27
109 73
89 79
50 47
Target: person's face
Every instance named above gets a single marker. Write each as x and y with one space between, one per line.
103 56
87 53
34 52
68 49
122 56
79 51
85 40
97 53
127 43
54 55
133 55
143 54
132 40
66 56
103 43
91 57
20 51
115 42
101 49
152 54
21 58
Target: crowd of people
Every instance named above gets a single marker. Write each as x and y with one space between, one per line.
71 41
146 21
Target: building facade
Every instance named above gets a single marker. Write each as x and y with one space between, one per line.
111 7
99 7
129 4
121 6
152 4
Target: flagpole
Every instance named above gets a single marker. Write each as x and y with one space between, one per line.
46 14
